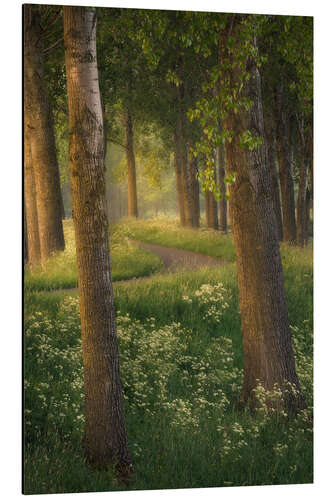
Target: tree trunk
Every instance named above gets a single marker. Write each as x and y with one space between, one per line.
38 119
32 232
188 206
211 211
301 199
179 186
194 188
187 196
269 134
105 434
131 172
267 350
285 172
307 215
222 186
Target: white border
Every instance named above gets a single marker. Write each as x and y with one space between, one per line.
11 245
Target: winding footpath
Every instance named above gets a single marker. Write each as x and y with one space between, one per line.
174 260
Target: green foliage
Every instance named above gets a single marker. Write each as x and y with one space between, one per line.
180 348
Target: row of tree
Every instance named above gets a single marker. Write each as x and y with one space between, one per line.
176 61
203 80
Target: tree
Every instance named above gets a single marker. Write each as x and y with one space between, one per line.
105 434
267 350
31 217
38 121
131 171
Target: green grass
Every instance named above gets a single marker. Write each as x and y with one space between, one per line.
128 261
181 371
167 232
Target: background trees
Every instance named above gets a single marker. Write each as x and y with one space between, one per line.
39 124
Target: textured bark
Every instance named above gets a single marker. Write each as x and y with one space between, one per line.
194 188
223 201
269 134
105 434
32 232
267 349
285 171
131 172
38 119
179 185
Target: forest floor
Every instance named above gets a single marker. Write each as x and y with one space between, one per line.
180 347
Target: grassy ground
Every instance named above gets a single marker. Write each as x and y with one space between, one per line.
128 261
180 348
167 232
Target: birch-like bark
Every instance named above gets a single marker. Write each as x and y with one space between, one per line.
105 434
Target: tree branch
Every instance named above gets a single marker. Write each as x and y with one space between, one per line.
109 139
51 21
55 44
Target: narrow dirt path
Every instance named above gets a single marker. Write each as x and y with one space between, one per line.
174 260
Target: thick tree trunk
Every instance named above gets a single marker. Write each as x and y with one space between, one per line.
285 172
269 134
38 119
32 232
267 350
223 201
194 188
179 184
131 172
105 435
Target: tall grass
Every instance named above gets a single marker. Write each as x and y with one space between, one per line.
60 271
181 365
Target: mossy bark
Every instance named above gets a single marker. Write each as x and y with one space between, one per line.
38 120
105 434
267 350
